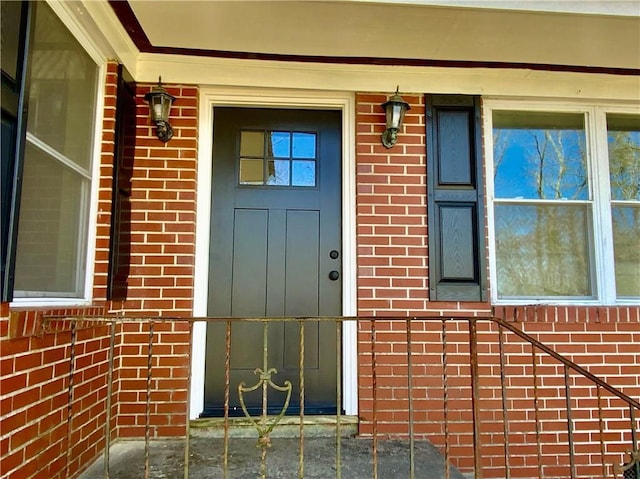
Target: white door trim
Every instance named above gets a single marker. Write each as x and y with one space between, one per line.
228 96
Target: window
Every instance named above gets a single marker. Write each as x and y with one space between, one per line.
53 219
564 185
290 158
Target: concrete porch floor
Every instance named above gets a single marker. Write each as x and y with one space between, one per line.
206 455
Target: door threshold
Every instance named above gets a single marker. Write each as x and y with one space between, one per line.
288 426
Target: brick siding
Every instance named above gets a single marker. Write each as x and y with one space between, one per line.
392 258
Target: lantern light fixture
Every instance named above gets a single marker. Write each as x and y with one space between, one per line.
159 107
395 108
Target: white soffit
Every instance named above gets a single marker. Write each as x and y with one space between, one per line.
404 30
628 8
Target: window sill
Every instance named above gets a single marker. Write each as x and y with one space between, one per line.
21 303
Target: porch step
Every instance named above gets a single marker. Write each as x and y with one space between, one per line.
288 426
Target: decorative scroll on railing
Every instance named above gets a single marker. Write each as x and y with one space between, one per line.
438 397
264 425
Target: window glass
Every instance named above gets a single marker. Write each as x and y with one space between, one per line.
251 171
304 173
542 213
539 155
62 91
10 18
304 145
623 135
280 144
542 250
278 173
252 143
53 222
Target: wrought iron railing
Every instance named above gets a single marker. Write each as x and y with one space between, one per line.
493 400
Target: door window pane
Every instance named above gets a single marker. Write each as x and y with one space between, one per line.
280 144
304 145
542 250
251 171
278 174
304 173
252 143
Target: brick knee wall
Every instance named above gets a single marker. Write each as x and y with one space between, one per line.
47 428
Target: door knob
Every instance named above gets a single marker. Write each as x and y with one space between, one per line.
333 275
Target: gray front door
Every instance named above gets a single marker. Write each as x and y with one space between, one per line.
275 252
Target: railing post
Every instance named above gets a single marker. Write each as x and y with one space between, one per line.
567 388
475 398
505 413
147 413
375 399
412 466
187 444
72 360
227 376
107 426
338 398
301 379
445 400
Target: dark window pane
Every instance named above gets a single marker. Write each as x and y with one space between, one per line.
10 16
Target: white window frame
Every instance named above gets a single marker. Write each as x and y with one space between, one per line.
68 15
601 233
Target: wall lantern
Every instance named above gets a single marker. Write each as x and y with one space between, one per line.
395 109
159 106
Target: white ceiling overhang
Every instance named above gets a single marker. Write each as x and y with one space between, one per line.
402 31
599 38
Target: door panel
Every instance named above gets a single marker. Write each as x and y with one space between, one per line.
276 207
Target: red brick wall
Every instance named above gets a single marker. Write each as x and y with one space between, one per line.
392 259
163 194
163 208
46 433
168 383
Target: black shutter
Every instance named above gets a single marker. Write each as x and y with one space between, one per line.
125 143
455 199
17 22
